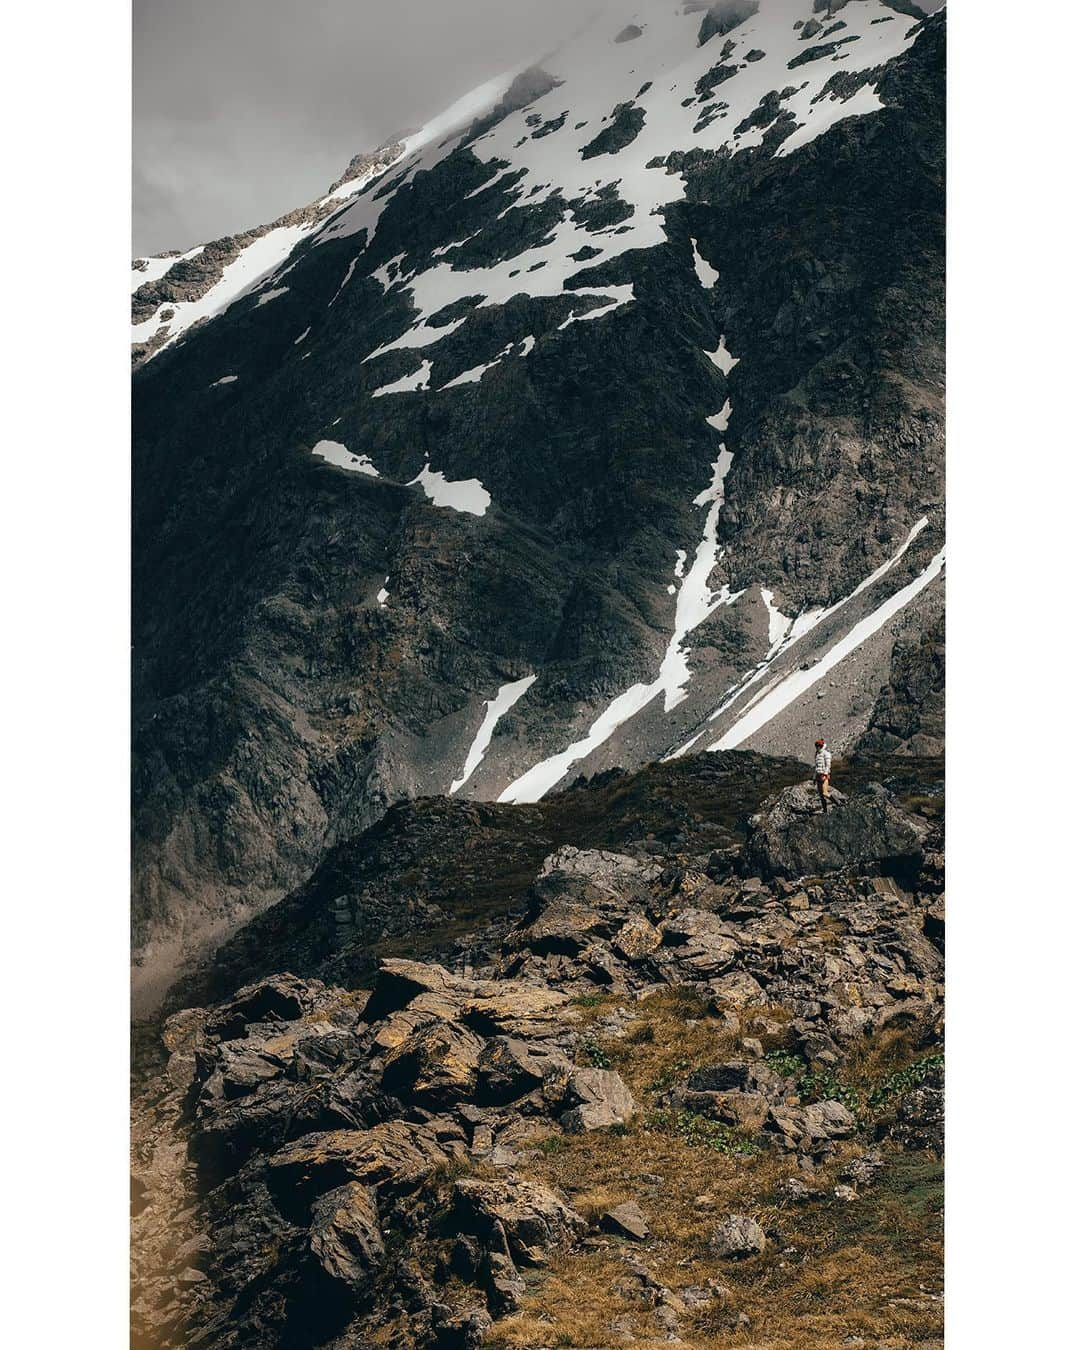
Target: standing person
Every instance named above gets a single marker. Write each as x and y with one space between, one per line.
822 771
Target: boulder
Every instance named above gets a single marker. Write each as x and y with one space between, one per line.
532 1217
792 837
458 1330
345 1235
279 998
625 1220
391 1158
637 938
399 982
863 1170
509 1068
502 1282
812 1129
565 927
436 1065
522 1012
597 1099
737 1237
747 1110
733 1076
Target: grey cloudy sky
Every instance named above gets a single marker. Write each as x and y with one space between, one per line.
247 108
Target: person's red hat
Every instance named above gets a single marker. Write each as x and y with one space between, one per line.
819 742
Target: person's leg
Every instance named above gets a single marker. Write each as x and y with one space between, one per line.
825 790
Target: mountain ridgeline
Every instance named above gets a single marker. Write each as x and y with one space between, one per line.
597 422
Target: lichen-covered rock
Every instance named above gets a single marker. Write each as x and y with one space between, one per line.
533 1218
345 1235
637 938
738 1236
598 1099
435 1066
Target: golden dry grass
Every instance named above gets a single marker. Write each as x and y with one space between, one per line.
868 1269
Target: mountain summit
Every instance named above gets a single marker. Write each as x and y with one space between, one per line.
598 422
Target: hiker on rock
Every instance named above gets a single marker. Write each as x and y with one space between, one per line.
822 771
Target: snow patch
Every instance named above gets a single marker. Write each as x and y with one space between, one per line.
706 272
336 453
252 265
722 359
156 268
408 384
382 274
466 494
303 335
779 624
270 295
382 594
225 379
474 375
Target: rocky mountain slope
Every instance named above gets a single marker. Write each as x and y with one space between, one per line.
684 1088
598 421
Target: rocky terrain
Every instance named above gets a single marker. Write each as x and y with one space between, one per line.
680 1083
597 421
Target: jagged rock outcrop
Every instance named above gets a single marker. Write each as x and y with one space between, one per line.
355 1161
793 837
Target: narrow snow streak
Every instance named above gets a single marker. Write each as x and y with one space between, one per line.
799 681
336 453
475 374
347 278
465 494
693 605
303 335
225 379
270 295
779 624
494 709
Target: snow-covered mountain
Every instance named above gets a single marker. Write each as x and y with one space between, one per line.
597 422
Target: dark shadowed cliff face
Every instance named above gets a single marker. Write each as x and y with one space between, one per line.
588 429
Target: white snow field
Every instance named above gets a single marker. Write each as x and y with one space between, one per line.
156 268
494 709
597 74
254 264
